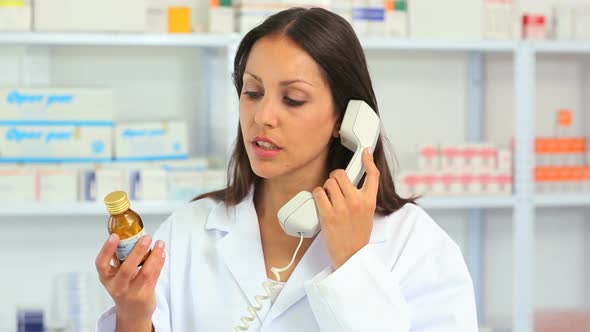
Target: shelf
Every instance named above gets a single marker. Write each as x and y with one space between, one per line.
437 45
115 39
167 207
466 202
562 200
224 40
565 47
85 209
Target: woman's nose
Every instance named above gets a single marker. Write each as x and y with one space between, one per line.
266 114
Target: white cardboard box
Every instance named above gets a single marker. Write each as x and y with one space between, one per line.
159 18
447 20
149 184
15 15
90 15
55 143
17 185
55 124
429 158
108 180
222 19
144 141
92 106
57 185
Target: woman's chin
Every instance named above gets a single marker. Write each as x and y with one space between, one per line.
264 172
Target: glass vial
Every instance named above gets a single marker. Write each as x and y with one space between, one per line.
124 222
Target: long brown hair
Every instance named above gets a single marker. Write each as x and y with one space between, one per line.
332 43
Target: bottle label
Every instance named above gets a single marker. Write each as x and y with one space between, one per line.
126 245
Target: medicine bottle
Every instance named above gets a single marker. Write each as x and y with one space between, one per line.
124 222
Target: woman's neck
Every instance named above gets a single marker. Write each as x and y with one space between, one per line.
272 194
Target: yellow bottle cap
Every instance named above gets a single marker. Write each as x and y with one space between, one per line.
117 202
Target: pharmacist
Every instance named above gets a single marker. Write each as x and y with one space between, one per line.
379 263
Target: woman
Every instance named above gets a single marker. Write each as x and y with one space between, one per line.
379 263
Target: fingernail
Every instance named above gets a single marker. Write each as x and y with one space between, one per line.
145 240
163 253
113 238
160 244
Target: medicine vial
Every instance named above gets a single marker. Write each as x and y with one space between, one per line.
124 222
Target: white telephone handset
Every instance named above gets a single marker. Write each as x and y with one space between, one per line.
360 129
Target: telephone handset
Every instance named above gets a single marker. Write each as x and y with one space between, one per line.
360 129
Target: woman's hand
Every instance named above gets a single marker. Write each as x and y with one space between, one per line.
346 213
132 288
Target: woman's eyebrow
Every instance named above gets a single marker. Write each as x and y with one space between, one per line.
283 83
255 77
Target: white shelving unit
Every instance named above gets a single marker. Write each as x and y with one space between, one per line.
393 44
523 202
85 209
562 200
167 207
115 39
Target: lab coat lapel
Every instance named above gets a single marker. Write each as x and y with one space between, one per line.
315 260
241 250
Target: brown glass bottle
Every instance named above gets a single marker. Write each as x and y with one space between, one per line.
124 222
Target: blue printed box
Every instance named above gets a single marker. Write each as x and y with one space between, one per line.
55 125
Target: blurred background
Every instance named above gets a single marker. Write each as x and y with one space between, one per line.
485 103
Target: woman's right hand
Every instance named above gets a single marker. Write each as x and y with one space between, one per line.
132 288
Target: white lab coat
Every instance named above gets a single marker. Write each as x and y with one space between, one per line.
410 277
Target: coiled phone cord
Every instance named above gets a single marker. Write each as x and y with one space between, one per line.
267 285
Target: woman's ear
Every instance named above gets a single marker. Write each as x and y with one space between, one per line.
336 130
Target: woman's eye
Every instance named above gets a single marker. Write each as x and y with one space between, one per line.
292 102
253 94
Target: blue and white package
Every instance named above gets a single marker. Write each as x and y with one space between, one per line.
151 141
55 125
55 144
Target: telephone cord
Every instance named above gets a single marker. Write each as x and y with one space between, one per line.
267 285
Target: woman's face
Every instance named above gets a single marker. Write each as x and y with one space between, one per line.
287 114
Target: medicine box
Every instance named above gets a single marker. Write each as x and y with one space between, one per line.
221 16
71 106
90 15
55 124
15 15
55 143
145 141
170 16
17 184
57 184
447 20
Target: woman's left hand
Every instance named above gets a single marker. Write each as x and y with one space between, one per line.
346 213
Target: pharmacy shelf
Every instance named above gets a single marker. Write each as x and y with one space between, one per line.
85 209
167 207
562 47
466 202
437 45
225 40
116 39
562 200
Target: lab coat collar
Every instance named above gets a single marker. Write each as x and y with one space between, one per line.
241 248
314 261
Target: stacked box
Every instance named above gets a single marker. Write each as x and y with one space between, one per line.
55 125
